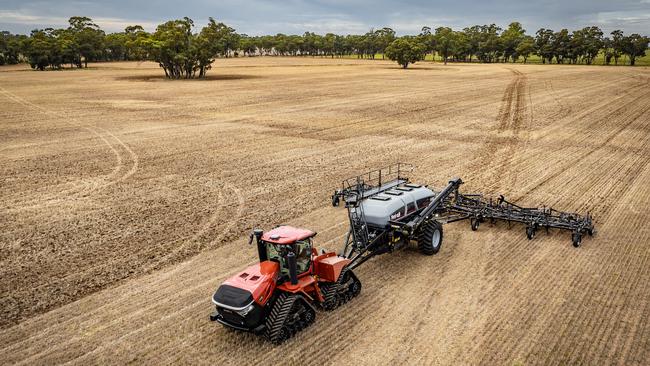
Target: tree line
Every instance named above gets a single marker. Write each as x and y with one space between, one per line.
184 53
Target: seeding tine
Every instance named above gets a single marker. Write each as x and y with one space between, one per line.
474 206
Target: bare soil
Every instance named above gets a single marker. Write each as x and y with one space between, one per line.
126 200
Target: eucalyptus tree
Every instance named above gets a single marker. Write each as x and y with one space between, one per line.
406 50
428 40
635 46
511 38
617 44
88 39
44 50
444 38
544 44
385 37
11 47
525 48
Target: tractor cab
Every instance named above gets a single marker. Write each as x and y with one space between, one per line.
284 244
291 276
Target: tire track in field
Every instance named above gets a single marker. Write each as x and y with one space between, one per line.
565 109
631 111
566 158
505 259
160 262
576 182
75 276
97 131
495 157
606 263
184 243
230 222
75 188
185 278
604 111
596 187
540 278
318 133
508 307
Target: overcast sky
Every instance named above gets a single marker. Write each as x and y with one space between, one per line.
256 17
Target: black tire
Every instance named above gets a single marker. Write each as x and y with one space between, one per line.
430 238
309 317
355 287
530 232
348 282
576 239
474 223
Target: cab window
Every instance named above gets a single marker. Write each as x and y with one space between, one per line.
278 254
303 255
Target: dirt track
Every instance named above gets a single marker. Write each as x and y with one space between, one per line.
126 200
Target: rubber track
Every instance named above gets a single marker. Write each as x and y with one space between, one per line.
279 315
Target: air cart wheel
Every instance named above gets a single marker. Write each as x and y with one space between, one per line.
474 222
530 232
335 200
430 237
576 238
355 287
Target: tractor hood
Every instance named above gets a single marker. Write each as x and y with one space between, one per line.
255 283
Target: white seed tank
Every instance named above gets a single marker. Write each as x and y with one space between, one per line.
396 204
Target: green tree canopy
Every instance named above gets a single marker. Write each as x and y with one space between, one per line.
618 44
85 40
444 39
635 46
525 48
183 53
44 49
11 47
406 50
511 38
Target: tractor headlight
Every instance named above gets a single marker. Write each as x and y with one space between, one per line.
246 310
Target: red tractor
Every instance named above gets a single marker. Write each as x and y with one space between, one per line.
276 296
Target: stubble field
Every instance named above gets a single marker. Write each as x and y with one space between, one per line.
127 199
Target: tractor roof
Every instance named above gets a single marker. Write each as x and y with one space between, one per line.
286 235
